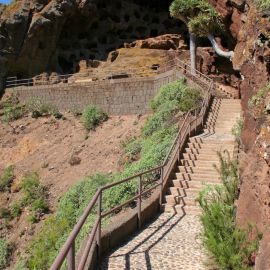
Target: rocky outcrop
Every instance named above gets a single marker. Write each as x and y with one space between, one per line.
38 36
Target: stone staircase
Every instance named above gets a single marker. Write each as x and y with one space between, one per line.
196 166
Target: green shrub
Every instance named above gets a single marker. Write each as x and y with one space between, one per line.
229 245
15 210
173 98
238 129
39 107
4 213
40 205
256 99
35 195
132 148
12 110
93 116
4 253
13 113
6 178
263 4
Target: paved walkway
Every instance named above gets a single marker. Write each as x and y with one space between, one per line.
170 242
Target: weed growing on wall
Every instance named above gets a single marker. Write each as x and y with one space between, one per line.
230 246
150 150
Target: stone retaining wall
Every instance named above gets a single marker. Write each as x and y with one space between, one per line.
120 96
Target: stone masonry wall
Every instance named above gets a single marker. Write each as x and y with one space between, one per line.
116 97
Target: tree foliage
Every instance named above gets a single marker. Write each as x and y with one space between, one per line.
200 16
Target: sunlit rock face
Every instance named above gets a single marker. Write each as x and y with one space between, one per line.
38 36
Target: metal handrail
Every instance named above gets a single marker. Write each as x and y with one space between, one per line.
68 250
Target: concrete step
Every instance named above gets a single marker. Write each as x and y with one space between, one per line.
197 151
209 156
211 141
200 169
187 192
198 176
211 146
194 183
182 200
181 209
199 163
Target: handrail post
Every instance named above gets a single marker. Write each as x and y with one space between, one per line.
139 203
99 224
71 257
161 187
196 118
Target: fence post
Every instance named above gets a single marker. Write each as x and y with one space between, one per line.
71 257
139 203
161 186
99 224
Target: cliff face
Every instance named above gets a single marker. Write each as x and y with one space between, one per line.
40 35
251 30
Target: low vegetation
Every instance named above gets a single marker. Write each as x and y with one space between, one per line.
256 103
32 195
145 152
39 107
11 109
230 246
262 4
4 253
93 116
6 178
238 129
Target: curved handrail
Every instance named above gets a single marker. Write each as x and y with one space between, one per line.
195 115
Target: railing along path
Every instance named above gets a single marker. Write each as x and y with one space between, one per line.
193 120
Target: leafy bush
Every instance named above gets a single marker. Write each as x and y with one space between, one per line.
132 148
35 195
263 4
15 210
4 253
6 178
93 116
238 129
11 109
13 113
171 99
39 107
230 245
4 213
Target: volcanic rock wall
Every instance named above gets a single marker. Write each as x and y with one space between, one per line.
40 35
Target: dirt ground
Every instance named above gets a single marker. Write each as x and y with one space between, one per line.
48 146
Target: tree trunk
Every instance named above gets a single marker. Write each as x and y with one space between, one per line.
192 48
219 51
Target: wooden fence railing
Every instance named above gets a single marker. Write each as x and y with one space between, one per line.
194 119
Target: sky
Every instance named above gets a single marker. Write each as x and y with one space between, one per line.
5 1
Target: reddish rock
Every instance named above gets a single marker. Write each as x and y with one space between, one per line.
164 42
